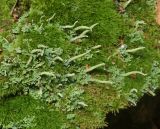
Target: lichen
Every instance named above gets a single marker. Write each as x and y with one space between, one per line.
42 26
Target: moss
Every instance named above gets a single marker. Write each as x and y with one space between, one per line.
17 108
5 6
6 20
112 26
51 37
87 12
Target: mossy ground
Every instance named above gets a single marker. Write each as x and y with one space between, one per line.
17 108
111 27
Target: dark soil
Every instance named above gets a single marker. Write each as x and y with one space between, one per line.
146 115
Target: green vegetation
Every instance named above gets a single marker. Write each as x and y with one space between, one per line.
27 112
67 63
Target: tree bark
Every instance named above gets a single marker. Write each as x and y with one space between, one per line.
158 12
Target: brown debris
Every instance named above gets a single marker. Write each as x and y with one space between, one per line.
121 9
1 30
16 10
157 46
158 12
1 50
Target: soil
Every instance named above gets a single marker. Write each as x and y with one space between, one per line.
146 115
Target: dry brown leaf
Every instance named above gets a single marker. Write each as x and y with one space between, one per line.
158 12
1 30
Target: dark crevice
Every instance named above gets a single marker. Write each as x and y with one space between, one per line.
12 95
146 115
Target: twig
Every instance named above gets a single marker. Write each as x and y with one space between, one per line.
29 60
69 26
81 55
85 27
36 51
47 74
14 6
58 58
128 51
135 49
39 65
96 47
151 92
5 39
82 35
94 67
42 46
78 56
49 19
127 3
133 72
70 75
101 81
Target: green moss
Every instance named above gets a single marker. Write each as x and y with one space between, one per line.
87 12
51 37
100 99
16 108
111 24
5 6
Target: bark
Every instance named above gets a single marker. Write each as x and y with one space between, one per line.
158 12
